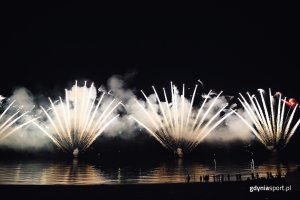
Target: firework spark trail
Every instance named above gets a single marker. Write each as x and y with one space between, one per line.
80 119
271 126
9 126
179 124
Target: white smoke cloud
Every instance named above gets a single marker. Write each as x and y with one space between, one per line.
1 98
123 126
23 97
28 137
233 129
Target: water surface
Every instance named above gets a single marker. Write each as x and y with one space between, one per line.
75 171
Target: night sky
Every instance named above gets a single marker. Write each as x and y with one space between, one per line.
230 47
234 47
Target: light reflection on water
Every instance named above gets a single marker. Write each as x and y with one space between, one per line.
85 173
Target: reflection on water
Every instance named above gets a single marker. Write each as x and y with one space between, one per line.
176 171
49 173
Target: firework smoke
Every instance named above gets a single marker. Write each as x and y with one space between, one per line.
27 137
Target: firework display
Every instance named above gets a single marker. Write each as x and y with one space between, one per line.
10 123
273 122
79 119
177 123
179 120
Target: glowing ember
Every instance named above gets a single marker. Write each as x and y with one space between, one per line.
292 102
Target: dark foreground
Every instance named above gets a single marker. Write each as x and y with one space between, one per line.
222 190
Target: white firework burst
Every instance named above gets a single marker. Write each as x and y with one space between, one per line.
10 123
271 122
178 124
75 123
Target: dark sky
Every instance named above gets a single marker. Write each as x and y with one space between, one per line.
231 47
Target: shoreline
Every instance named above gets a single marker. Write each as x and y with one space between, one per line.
201 190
